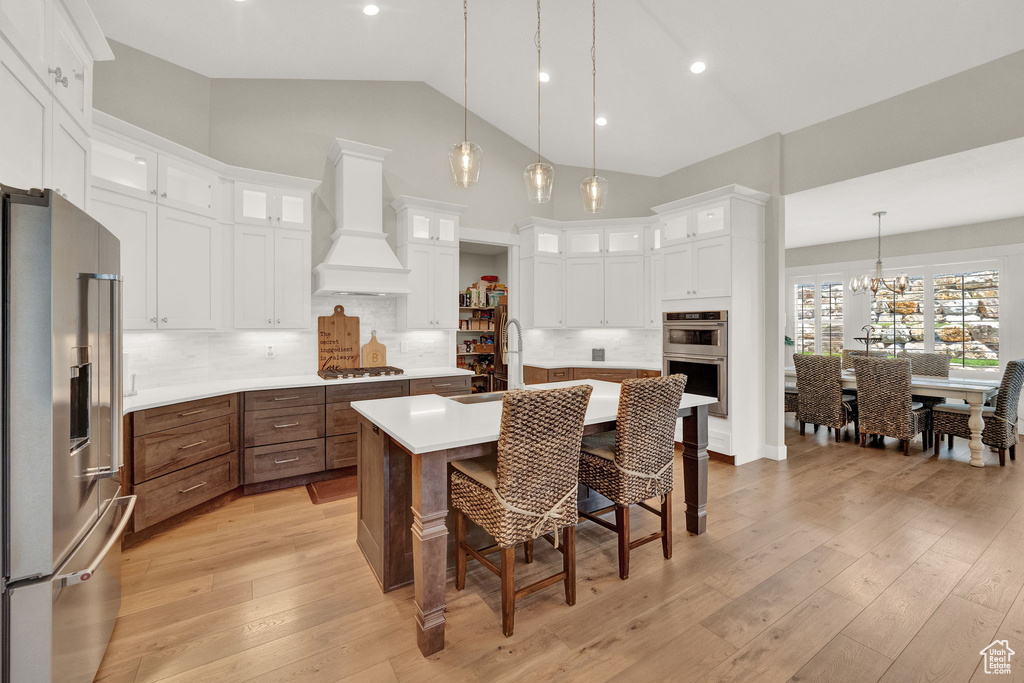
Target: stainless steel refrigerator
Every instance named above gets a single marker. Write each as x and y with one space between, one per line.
63 515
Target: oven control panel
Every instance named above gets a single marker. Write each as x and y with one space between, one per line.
696 316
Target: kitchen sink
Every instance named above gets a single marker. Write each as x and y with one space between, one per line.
479 398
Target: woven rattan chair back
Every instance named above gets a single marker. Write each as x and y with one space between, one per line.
819 383
1008 401
645 426
539 446
850 354
927 364
883 396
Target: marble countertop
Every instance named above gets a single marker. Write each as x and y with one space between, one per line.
607 364
162 396
423 424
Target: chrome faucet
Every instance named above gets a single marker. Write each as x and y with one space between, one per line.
515 371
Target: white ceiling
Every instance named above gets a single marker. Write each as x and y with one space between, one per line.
773 66
983 184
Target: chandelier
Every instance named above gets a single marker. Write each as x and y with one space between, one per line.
864 283
540 176
465 156
595 188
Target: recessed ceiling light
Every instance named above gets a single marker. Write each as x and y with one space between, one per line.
601 121
239 0
544 77
139 160
698 67
371 10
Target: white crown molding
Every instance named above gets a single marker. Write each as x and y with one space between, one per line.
341 147
734 191
405 201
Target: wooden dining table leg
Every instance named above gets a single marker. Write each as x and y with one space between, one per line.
977 425
695 469
429 547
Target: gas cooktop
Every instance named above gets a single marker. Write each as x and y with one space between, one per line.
349 373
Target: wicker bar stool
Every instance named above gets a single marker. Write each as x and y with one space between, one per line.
820 398
850 354
1000 422
928 365
633 463
884 405
792 395
528 489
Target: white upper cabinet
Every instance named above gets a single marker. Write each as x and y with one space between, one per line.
655 289
24 23
272 206
272 278
543 291
584 292
71 150
121 166
133 223
675 228
712 267
185 186
446 288
627 241
678 272
711 220
584 243
25 114
433 282
189 264
293 285
71 67
427 221
624 291
590 242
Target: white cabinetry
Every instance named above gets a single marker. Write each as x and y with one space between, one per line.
274 206
584 292
604 292
133 223
292 283
24 122
185 186
272 278
701 269
433 282
189 264
71 151
71 69
427 221
543 285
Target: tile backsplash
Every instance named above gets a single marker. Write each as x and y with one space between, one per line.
620 345
167 357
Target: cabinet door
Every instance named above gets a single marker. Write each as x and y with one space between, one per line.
419 226
548 292
25 131
71 151
548 242
711 220
624 291
415 310
446 229
188 270
655 290
74 89
187 187
123 167
712 267
584 292
677 228
584 243
445 268
293 209
678 277
25 24
254 204
292 284
254 277
624 241
133 223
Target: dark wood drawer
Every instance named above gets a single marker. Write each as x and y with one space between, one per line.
265 427
342 451
560 374
170 494
284 460
367 390
283 398
341 419
606 375
446 386
648 373
168 450
178 414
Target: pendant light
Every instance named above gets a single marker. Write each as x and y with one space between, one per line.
539 176
465 157
861 285
594 189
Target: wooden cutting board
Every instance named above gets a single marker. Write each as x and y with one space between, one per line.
339 340
375 354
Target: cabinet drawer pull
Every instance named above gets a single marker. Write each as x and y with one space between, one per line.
443 385
286 398
192 445
290 424
192 412
282 462
192 488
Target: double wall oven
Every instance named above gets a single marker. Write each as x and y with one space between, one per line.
696 344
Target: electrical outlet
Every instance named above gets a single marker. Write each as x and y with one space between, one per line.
617 343
270 350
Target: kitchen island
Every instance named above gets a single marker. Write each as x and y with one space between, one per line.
405 445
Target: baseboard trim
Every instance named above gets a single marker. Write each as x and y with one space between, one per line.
774 452
722 457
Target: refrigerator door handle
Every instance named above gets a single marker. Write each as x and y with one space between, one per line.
116 390
87 573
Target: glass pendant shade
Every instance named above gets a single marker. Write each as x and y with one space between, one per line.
465 158
594 191
855 284
539 179
902 282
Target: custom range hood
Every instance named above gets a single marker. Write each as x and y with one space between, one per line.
359 260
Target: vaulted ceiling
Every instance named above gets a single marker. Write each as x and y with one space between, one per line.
773 66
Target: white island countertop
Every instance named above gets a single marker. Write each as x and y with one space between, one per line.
163 396
605 364
423 424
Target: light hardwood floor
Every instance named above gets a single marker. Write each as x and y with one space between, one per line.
839 564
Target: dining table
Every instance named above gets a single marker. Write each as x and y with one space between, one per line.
974 392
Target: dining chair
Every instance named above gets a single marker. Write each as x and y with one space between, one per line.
884 404
633 463
792 400
928 365
820 397
1000 421
850 354
526 490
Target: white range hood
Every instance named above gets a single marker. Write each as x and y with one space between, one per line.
359 260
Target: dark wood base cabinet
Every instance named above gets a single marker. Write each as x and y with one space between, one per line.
535 375
174 493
